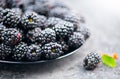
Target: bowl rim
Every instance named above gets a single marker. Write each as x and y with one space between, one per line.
39 61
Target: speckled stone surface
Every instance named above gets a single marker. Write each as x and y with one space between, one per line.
103 19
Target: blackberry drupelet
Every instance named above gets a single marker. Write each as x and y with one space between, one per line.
52 50
10 19
62 32
49 34
58 12
91 61
52 21
30 20
64 45
11 36
5 51
19 52
34 53
35 36
76 40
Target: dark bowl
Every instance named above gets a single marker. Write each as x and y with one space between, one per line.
40 61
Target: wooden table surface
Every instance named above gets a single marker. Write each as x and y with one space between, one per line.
103 19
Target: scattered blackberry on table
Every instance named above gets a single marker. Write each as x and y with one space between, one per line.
52 50
91 61
49 34
30 20
34 53
35 36
5 51
52 21
62 32
19 52
11 36
58 12
9 18
76 40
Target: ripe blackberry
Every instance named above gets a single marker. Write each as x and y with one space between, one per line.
10 19
20 51
5 51
58 12
52 50
35 36
76 40
42 7
91 61
34 53
11 36
2 3
64 45
62 32
59 3
73 18
18 11
49 35
84 30
31 20
52 21
42 20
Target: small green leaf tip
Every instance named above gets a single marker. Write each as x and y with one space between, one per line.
108 61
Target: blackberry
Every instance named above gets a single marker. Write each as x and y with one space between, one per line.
18 11
76 40
42 7
5 51
11 3
58 12
91 61
34 53
35 36
9 18
52 21
2 3
11 36
62 32
49 35
57 3
29 20
20 51
84 30
42 20
64 45
73 18
52 50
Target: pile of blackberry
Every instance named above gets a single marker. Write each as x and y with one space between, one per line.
34 30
